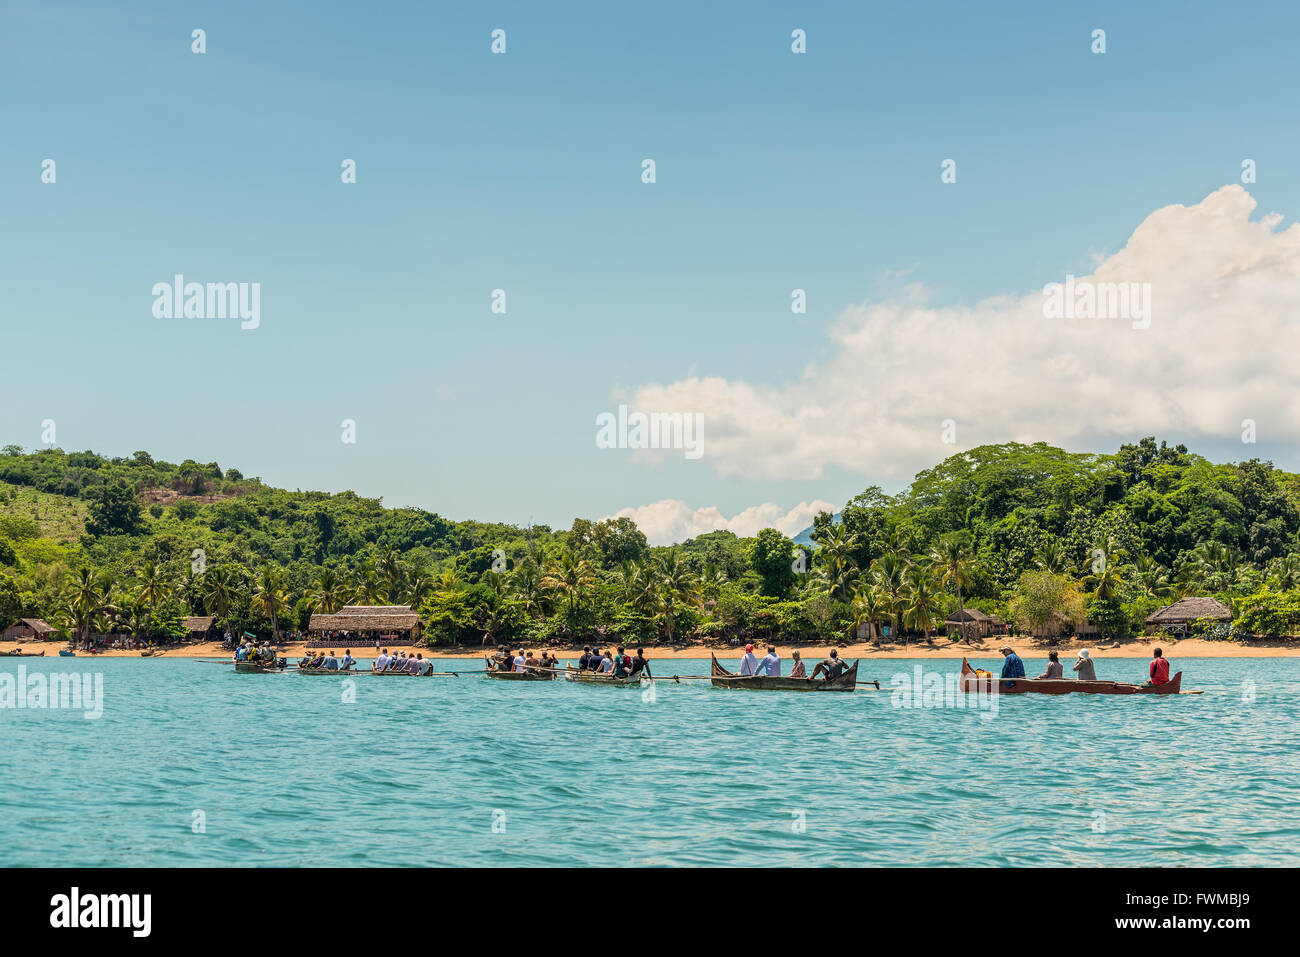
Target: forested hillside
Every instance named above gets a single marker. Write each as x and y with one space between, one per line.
133 544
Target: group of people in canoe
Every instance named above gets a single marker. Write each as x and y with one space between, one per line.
400 661
327 660
1084 668
832 666
507 660
618 665
261 654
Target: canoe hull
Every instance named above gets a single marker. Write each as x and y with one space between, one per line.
596 678
722 678
254 668
971 683
325 671
24 654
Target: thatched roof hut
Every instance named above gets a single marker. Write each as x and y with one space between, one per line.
198 626
1180 614
970 622
370 620
27 629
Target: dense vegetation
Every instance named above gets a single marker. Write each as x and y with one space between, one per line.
1028 532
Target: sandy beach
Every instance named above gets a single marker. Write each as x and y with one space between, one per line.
941 647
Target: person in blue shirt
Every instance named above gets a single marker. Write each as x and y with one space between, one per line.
1012 667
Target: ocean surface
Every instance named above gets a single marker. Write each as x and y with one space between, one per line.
192 764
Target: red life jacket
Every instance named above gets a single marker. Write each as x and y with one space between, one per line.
1159 671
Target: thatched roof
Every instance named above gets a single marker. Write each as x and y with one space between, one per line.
367 618
968 614
35 624
1189 609
198 624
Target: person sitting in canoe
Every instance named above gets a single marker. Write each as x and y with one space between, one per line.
832 666
797 671
585 659
748 664
381 662
1158 669
329 662
1012 667
1087 671
597 662
622 663
771 663
425 665
1054 669
641 664
347 661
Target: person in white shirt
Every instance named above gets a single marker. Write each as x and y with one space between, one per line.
748 664
426 664
347 661
381 663
519 661
607 665
771 664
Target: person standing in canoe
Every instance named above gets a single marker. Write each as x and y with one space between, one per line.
1053 666
798 670
748 664
1159 668
1012 667
1087 671
771 664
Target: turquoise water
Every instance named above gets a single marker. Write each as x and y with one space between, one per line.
283 771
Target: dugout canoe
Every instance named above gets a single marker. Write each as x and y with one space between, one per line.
971 682
23 654
326 671
255 667
518 675
722 678
597 678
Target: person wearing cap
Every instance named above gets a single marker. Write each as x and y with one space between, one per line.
1084 666
832 665
771 664
797 671
1053 666
1012 667
748 664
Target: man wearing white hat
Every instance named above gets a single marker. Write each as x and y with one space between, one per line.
1083 665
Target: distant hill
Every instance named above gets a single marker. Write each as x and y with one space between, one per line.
805 537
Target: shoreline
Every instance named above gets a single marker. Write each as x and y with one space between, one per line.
941 647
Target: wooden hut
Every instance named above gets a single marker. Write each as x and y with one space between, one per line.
358 624
29 629
970 623
199 628
1177 618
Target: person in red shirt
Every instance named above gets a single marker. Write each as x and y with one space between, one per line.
1159 669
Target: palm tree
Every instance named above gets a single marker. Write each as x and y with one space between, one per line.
677 585
328 593
712 579
868 609
570 576
390 569
921 601
270 597
92 595
1051 557
219 587
888 573
1284 572
136 618
1154 577
526 582
835 564
153 585
371 588
418 586
951 560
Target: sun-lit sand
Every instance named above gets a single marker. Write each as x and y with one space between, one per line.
940 647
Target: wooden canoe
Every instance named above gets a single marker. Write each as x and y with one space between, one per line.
518 675
971 682
255 667
23 654
597 678
325 671
395 674
149 654
722 678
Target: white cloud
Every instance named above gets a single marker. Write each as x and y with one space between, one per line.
672 521
1220 348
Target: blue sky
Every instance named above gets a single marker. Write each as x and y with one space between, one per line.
775 171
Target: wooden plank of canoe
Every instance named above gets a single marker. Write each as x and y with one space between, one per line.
722 678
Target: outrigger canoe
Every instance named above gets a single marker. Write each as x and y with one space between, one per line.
722 678
518 675
327 671
970 681
597 678
256 667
